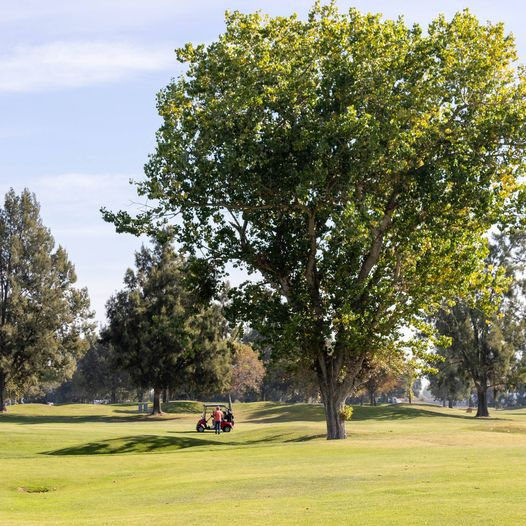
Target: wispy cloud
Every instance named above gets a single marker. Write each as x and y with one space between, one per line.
59 65
76 198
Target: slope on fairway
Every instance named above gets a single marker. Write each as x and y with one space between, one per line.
88 464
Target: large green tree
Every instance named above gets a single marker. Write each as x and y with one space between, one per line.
161 331
43 318
354 164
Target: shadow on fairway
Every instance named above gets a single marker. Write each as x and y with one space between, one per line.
307 438
287 413
397 412
68 419
133 444
315 413
156 443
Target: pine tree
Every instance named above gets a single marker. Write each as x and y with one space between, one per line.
43 317
161 332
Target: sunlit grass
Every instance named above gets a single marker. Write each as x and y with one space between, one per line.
89 464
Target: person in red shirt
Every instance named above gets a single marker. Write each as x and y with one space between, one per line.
218 417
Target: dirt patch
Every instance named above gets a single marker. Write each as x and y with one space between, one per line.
35 489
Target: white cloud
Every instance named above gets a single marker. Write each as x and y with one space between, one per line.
65 64
73 200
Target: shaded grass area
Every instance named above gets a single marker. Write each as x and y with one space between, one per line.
90 465
31 414
273 413
133 444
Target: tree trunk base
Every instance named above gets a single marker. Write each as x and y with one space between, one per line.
482 403
334 414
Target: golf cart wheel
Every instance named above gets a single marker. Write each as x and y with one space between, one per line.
227 429
200 429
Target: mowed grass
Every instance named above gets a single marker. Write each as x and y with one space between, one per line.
107 465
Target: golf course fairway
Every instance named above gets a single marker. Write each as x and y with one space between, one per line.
401 465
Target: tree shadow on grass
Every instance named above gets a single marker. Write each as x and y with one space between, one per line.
130 416
68 419
315 413
306 438
133 444
400 412
288 413
158 443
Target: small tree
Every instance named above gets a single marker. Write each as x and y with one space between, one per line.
381 378
43 318
355 164
248 372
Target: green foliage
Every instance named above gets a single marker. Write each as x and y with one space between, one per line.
487 330
160 331
353 164
96 378
449 381
43 317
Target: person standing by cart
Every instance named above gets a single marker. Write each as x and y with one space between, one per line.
218 417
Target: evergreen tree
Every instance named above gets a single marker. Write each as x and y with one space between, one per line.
160 330
43 317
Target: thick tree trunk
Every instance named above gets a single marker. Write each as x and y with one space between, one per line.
410 396
165 396
334 416
372 399
3 407
450 403
482 401
156 410
334 392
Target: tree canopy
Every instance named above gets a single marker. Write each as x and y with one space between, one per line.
354 164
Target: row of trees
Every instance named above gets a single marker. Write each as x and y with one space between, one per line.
354 166
487 330
165 333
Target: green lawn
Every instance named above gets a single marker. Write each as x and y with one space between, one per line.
85 464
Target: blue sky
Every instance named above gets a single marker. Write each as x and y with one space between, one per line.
77 102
